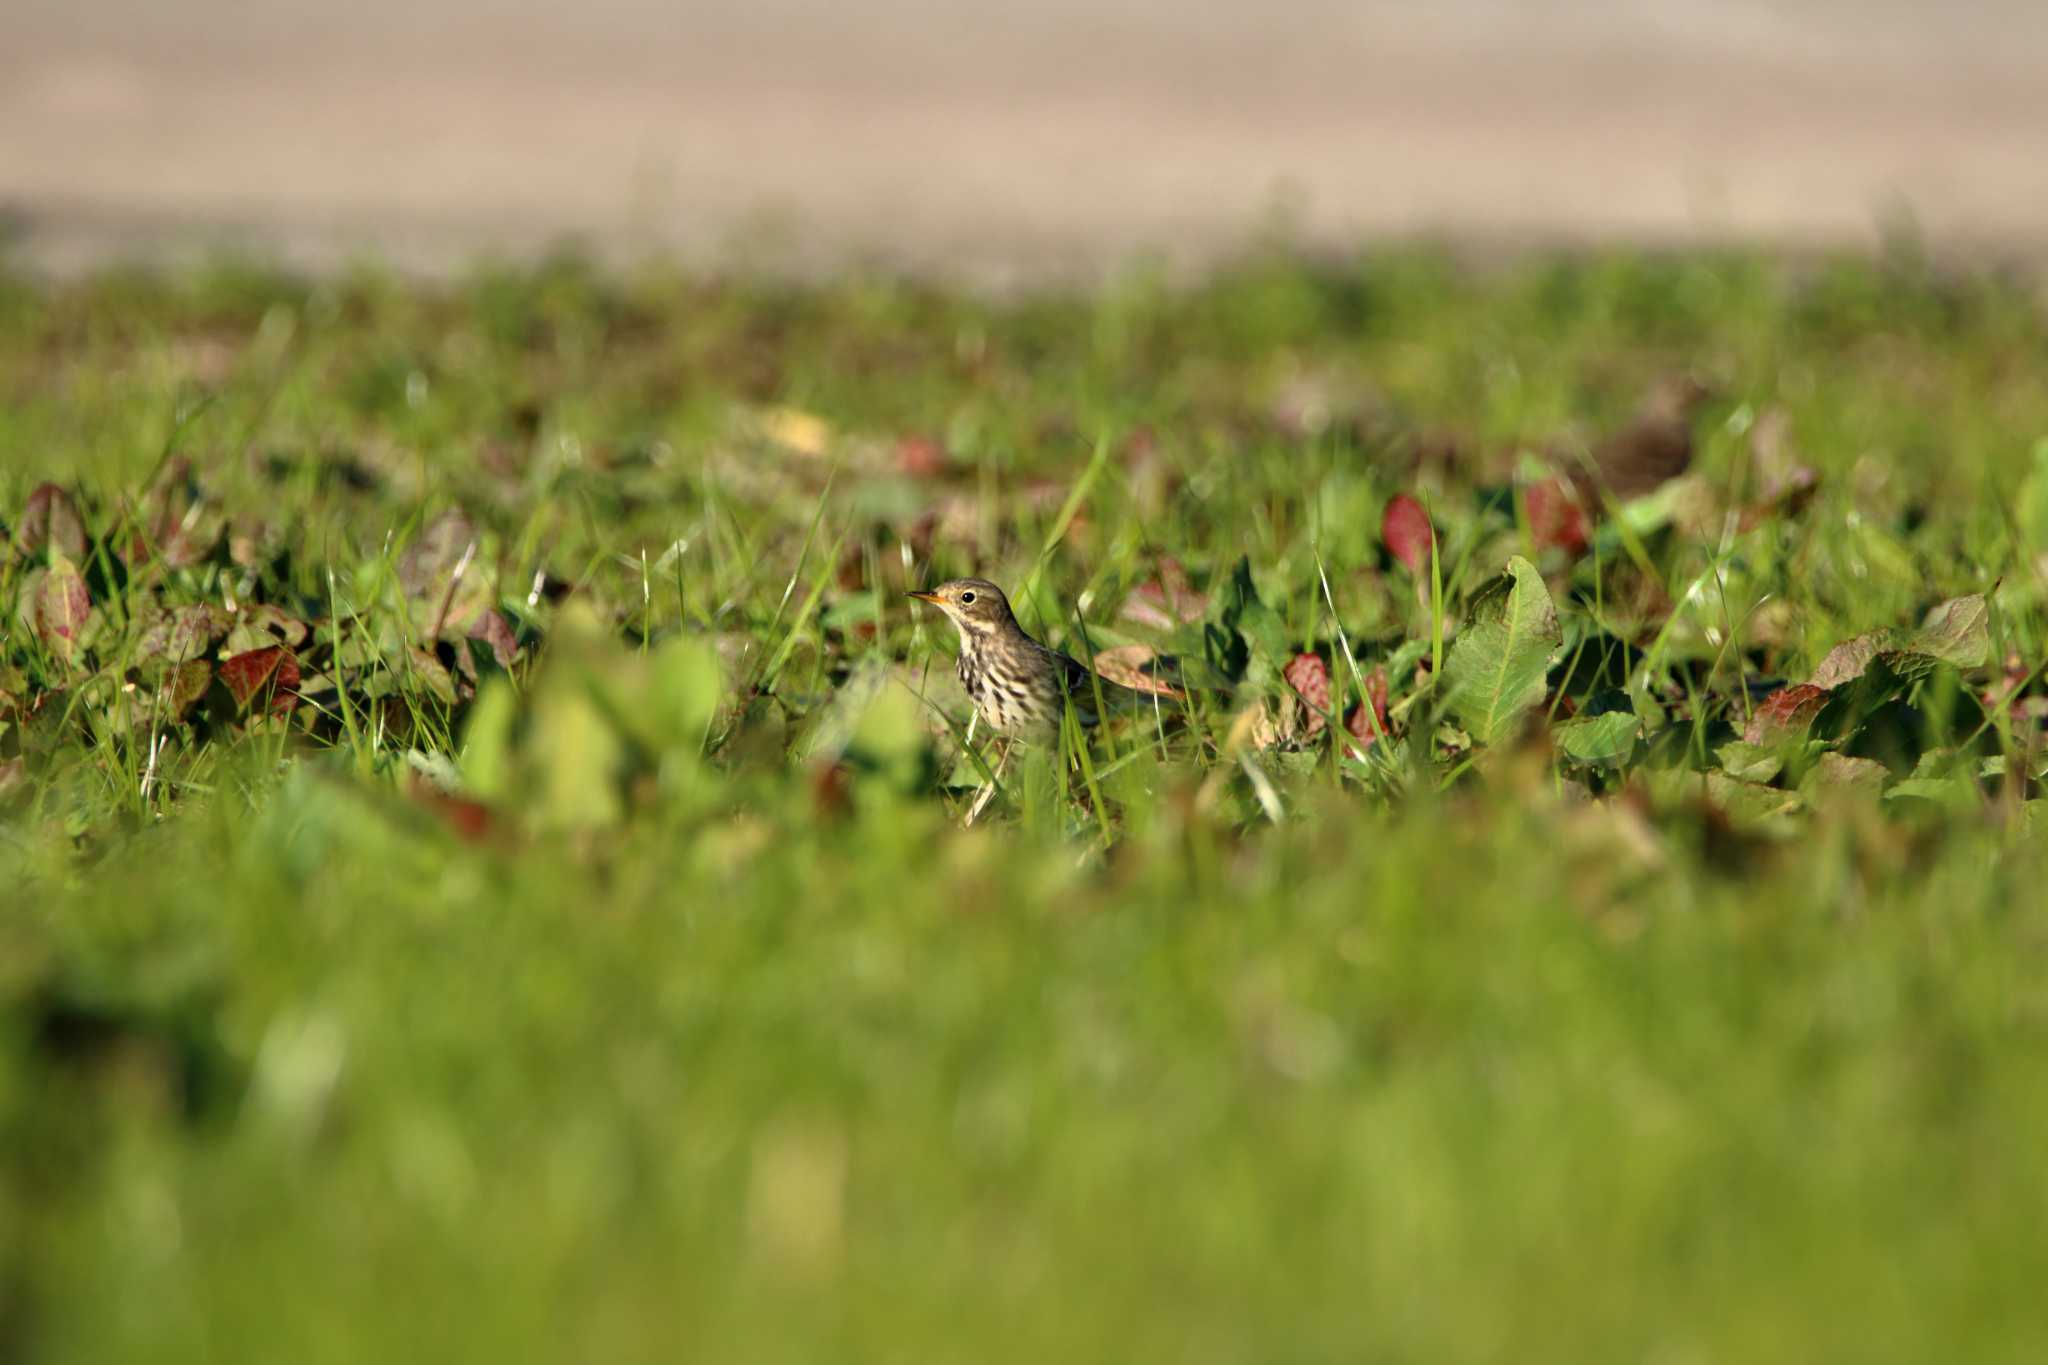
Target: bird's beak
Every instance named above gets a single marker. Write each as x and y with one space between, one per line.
931 597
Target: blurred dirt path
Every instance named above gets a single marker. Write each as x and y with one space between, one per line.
997 139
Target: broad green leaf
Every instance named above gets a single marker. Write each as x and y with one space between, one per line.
1604 738
1957 793
1747 762
1495 670
1956 632
1748 804
1842 775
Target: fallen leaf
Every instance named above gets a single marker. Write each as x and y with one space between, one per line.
427 563
261 625
270 673
921 457
1847 660
496 631
1132 666
1555 517
50 520
61 605
183 686
181 634
1957 632
1785 714
1166 602
1309 676
1363 730
1405 530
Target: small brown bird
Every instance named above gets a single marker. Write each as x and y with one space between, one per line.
1655 447
1019 687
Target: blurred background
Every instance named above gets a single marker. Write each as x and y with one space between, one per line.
971 135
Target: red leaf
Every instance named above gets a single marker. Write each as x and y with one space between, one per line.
1362 729
1167 602
1785 714
272 672
60 605
50 518
1555 517
467 818
921 457
1406 531
1309 676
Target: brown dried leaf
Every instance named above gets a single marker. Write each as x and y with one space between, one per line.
1134 666
496 631
427 563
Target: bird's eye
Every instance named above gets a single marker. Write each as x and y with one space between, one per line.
967 598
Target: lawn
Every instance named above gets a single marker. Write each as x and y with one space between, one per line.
482 873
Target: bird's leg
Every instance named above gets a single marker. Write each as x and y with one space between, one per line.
988 792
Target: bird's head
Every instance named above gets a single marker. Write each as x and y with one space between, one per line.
975 605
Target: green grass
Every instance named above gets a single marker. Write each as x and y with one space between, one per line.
563 944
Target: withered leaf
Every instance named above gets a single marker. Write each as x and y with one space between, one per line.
1368 728
1555 517
261 625
60 605
181 634
1847 660
426 565
50 520
1134 666
494 630
1309 676
1785 714
183 686
1405 530
270 674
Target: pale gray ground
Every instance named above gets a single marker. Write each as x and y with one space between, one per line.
972 135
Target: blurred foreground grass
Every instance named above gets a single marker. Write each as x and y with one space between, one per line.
540 928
